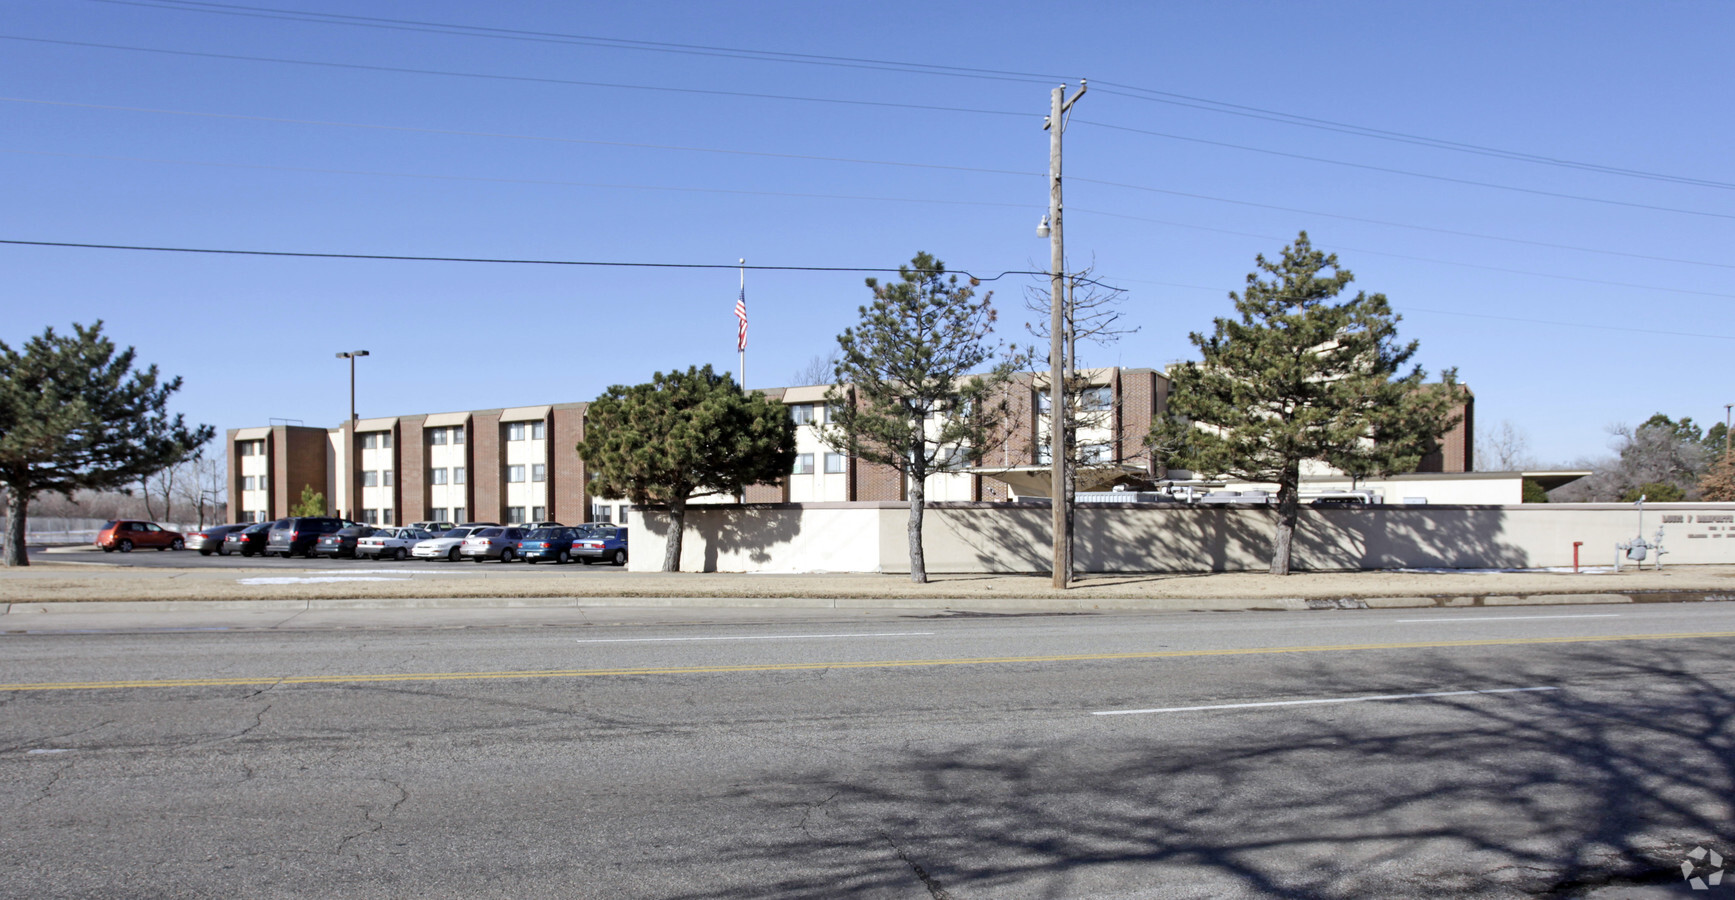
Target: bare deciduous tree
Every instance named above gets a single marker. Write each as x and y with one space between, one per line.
1505 448
821 369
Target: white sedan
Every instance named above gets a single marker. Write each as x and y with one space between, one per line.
444 546
392 542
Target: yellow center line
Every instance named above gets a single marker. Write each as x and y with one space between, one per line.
869 664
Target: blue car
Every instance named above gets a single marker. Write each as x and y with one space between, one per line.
601 541
548 543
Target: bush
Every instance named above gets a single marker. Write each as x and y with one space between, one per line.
1655 492
1533 491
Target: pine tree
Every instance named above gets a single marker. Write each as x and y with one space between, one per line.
921 402
684 435
312 502
75 415
1300 375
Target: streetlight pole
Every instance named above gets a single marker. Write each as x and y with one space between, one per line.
1058 106
349 433
1726 408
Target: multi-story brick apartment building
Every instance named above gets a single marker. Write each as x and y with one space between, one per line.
520 464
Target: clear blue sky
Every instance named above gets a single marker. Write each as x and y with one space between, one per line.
1524 292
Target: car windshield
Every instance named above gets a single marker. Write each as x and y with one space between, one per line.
458 533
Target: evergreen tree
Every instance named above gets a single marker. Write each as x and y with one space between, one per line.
1300 375
921 404
75 415
312 502
684 435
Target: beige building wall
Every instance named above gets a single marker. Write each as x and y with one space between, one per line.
971 538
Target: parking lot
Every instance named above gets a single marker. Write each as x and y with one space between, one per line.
190 559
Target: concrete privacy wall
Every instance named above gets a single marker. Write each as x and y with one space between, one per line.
980 537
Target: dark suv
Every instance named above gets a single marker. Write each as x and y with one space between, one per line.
299 535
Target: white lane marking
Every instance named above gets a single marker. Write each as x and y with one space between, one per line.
55 750
754 637
1511 618
1139 712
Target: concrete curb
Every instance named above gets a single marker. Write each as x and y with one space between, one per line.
989 605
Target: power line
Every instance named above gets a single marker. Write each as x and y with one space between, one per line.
1372 168
1130 91
523 78
518 137
388 257
1253 112
1426 259
529 181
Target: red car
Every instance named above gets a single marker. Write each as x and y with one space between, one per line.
126 535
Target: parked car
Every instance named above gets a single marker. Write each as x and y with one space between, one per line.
300 534
126 534
342 541
601 541
444 546
432 527
492 543
392 542
210 540
548 543
248 541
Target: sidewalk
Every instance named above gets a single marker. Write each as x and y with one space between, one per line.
55 585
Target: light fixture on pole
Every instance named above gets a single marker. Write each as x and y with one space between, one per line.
349 434
1042 229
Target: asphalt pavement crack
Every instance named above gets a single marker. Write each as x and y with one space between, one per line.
376 826
52 781
813 808
928 881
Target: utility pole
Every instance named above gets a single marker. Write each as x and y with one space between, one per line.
1058 106
348 436
1726 408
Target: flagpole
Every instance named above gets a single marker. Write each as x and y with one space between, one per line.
741 344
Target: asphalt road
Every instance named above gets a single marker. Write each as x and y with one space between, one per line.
684 754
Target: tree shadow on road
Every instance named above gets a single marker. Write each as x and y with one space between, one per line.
1607 781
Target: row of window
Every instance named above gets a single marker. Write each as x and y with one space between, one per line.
438 476
515 515
255 483
376 478
834 464
443 436
515 474
376 440
250 448
515 431
377 517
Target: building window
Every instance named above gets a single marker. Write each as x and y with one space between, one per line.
438 513
514 474
244 448
802 413
538 472
1093 454
437 476
457 474
804 464
601 512
385 440
1096 398
370 516
538 431
1042 400
386 516
386 477
370 478
834 463
457 434
515 431
437 436
515 515
457 513
369 441
538 513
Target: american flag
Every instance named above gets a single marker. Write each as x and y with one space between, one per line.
741 313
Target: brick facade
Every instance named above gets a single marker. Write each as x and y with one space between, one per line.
487 448
567 500
412 462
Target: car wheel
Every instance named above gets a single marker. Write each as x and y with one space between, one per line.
124 546
400 555
178 544
452 556
620 557
564 557
584 560
206 552
222 551
506 556
108 549
530 560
